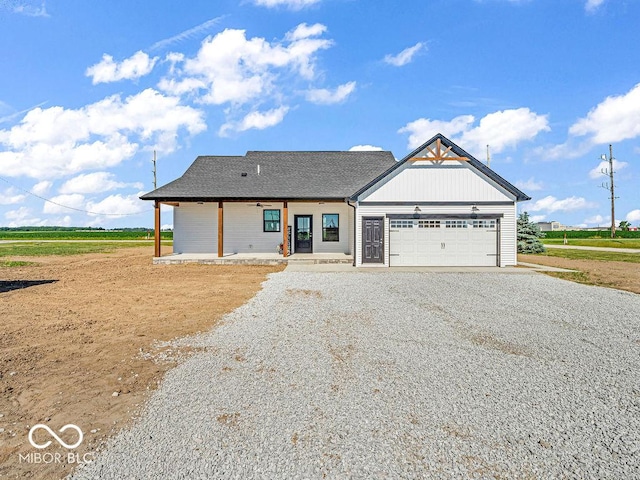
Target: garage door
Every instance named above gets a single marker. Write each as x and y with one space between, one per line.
436 243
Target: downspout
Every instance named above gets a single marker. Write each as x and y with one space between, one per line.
354 231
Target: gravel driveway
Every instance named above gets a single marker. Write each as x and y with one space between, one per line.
400 375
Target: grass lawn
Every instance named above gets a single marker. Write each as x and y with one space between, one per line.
607 269
37 249
591 255
14 263
80 235
596 242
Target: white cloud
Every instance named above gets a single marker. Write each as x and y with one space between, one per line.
22 217
107 70
187 34
118 205
55 142
502 129
596 220
306 31
569 149
57 204
323 96
292 4
604 166
529 185
537 218
96 182
614 119
31 8
11 196
592 5
41 188
256 120
633 216
405 56
167 226
229 68
365 148
551 204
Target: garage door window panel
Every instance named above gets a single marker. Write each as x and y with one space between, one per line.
456 224
429 224
491 224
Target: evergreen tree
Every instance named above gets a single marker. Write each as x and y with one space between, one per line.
529 235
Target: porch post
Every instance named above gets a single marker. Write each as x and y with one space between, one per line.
220 230
156 232
285 230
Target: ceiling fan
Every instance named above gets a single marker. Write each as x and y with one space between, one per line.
258 204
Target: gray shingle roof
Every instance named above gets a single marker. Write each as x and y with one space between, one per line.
286 175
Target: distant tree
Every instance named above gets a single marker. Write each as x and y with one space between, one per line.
529 235
624 225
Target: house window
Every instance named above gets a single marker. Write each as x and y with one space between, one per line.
271 220
330 227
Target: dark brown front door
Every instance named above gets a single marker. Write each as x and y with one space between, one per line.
372 240
303 234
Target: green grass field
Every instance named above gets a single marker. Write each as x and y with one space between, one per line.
596 242
592 255
37 249
80 235
14 263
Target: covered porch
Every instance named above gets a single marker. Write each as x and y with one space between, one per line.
265 231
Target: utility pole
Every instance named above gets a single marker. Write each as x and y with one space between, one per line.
610 186
154 170
488 157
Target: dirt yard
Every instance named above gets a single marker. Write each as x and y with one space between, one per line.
77 337
620 275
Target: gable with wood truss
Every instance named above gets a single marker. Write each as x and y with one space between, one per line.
439 171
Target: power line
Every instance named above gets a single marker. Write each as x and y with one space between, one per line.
67 206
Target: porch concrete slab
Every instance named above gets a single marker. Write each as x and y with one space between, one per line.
254 259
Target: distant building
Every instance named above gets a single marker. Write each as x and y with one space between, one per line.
555 227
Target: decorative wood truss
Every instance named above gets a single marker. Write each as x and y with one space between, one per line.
437 153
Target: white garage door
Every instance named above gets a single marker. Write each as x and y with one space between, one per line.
443 242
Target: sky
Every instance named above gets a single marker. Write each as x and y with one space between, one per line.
90 89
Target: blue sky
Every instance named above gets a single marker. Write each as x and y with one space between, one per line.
89 89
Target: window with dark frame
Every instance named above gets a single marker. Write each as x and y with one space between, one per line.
271 220
330 227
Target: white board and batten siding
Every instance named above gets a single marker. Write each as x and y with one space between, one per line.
196 227
452 188
452 181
